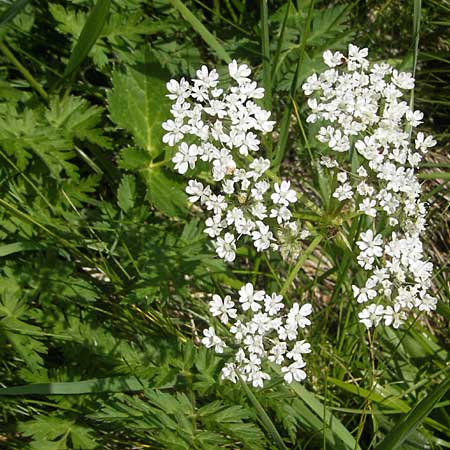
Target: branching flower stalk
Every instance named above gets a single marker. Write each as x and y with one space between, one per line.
363 115
217 130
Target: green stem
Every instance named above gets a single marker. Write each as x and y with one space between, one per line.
265 419
27 75
267 75
265 46
416 34
299 264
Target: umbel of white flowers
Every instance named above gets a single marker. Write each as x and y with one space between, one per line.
361 109
261 330
220 128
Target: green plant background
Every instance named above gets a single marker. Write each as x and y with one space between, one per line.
104 267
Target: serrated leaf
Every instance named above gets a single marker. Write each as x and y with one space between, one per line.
138 103
126 193
165 193
17 247
12 12
134 158
53 433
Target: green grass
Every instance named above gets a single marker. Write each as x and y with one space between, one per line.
105 270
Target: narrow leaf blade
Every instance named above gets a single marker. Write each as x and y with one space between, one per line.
209 38
89 35
416 416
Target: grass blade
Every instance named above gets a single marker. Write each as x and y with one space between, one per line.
209 38
267 63
276 57
265 419
293 273
285 122
334 428
94 386
88 37
416 416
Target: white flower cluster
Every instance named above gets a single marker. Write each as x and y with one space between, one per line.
364 116
262 331
218 128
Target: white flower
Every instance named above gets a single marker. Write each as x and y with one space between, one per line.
260 335
250 298
298 315
364 105
427 303
282 214
423 143
357 57
222 308
176 131
404 80
343 192
372 315
369 244
196 191
332 59
212 340
214 226
262 237
328 162
229 372
366 293
294 372
298 350
226 247
206 78
239 72
367 206
239 330
394 316
185 158
277 353
283 193
273 304
178 90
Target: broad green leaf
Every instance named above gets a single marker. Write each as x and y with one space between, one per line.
165 193
138 103
126 193
89 35
416 416
134 158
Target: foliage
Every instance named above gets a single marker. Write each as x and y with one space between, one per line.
105 265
